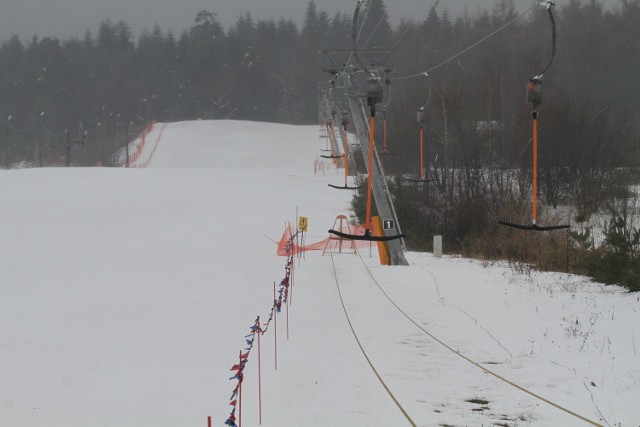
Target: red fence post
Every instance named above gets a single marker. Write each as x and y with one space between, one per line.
240 397
259 376
275 325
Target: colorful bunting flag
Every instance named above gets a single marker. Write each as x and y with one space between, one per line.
283 294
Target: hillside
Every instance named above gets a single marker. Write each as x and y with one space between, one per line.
127 293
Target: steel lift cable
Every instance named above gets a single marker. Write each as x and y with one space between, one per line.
355 34
404 33
388 55
28 129
373 32
384 15
354 38
462 52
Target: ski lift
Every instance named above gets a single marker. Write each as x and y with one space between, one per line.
345 120
375 93
367 236
331 138
421 116
534 92
345 144
345 187
374 96
534 98
328 130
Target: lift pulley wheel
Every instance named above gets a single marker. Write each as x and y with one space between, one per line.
375 91
534 93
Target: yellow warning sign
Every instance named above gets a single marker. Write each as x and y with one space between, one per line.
303 222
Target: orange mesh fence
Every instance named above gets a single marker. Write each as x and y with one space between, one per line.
331 242
145 164
143 140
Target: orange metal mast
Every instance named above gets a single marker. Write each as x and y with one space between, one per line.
372 122
421 153
534 198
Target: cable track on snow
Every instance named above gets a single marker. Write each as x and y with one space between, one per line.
364 353
443 344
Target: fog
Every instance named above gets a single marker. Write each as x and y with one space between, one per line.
72 18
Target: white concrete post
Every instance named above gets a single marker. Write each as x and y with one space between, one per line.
437 246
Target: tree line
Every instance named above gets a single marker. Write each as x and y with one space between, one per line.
269 70
109 84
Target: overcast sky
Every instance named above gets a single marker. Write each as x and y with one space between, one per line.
67 18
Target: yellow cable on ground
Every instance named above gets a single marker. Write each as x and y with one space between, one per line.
364 353
498 376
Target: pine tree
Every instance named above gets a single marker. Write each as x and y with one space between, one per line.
375 31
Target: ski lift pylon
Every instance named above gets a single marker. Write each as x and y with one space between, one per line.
345 144
534 98
421 116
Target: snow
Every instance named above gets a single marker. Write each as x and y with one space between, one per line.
126 295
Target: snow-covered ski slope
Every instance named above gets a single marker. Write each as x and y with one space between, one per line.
125 296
